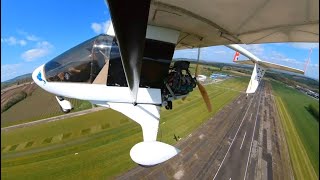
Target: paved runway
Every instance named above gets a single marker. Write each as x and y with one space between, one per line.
234 144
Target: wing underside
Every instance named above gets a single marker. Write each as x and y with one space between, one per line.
246 22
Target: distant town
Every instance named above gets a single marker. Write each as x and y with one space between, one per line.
308 92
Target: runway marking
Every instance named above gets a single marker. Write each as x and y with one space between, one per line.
255 123
233 139
243 139
250 117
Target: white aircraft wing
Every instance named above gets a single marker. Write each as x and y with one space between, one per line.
208 23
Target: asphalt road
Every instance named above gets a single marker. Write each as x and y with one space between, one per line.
222 148
236 160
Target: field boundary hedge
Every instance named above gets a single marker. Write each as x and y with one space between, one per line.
17 98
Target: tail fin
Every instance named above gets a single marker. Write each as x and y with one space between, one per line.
256 77
236 56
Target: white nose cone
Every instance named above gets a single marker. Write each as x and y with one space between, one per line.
152 153
38 76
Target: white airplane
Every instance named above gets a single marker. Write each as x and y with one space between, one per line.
128 69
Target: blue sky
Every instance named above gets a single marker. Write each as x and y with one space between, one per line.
33 32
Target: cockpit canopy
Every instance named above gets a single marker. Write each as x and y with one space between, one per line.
98 61
82 63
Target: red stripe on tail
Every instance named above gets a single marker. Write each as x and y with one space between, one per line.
236 56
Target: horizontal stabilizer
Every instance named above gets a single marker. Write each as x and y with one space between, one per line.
270 65
254 59
280 67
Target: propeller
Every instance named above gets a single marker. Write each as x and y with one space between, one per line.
202 90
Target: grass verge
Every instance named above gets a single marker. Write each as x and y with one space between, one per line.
301 124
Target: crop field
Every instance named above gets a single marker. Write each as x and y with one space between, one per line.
301 129
7 93
97 145
39 105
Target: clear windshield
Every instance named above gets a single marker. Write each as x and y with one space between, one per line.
82 63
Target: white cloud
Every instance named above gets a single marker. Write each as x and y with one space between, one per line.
96 27
220 52
22 42
213 53
9 71
305 45
99 28
28 36
42 49
13 41
32 38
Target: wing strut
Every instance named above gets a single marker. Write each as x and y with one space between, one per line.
130 20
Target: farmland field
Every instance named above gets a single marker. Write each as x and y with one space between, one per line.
301 129
97 145
39 105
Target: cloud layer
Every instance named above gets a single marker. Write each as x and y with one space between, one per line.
305 45
13 41
42 49
99 28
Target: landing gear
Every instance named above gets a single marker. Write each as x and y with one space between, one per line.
65 105
65 110
169 105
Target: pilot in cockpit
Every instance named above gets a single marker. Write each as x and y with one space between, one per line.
82 63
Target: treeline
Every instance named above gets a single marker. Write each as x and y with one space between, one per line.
314 110
5 85
21 81
292 80
17 98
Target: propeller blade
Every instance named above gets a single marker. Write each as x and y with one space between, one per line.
196 71
202 90
205 96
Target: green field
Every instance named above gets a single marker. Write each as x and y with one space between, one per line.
301 129
102 139
39 105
